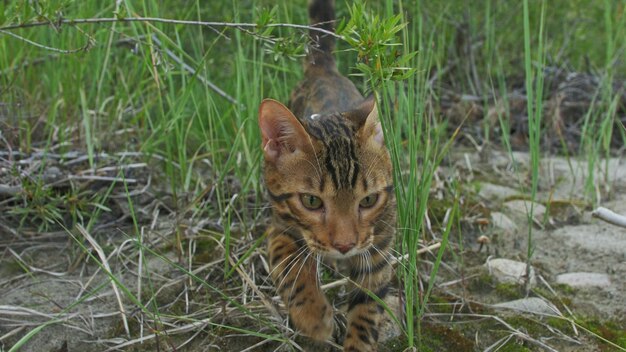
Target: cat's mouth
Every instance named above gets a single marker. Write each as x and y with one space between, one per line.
340 253
335 254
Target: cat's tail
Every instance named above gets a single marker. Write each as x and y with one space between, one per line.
322 15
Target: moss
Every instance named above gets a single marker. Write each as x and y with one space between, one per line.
609 330
397 344
12 267
565 289
437 208
442 338
560 300
514 346
527 324
562 324
435 337
483 283
205 250
509 291
439 304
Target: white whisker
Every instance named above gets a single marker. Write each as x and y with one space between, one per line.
295 261
299 271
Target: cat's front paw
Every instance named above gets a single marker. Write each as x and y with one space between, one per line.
354 344
314 320
362 332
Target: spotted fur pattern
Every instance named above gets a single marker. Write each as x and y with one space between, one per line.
329 178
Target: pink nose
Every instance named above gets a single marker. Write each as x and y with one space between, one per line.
343 247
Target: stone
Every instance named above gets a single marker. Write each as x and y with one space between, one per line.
503 222
491 191
522 207
509 271
582 279
533 305
388 329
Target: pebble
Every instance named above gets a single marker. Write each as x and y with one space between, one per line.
522 207
503 222
533 305
582 279
491 191
509 271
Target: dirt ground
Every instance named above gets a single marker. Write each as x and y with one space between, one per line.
41 282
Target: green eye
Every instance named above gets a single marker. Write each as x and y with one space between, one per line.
310 201
369 201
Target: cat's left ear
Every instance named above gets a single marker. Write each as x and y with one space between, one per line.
281 132
366 115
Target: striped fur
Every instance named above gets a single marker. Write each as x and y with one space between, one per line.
329 177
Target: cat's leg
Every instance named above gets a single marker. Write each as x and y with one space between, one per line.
370 273
294 272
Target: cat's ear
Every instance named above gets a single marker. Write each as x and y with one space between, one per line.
280 130
365 115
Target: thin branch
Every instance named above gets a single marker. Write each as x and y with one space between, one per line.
6 190
73 22
191 70
609 216
235 25
45 47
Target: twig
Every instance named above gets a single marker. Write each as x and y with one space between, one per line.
12 332
32 268
432 247
116 168
244 276
41 46
9 229
609 216
195 326
101 178
235 25
9 190
191 70
105 264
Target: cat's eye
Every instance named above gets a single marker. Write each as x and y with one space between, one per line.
310 201
369 201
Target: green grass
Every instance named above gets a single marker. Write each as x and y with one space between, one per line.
129 91
534 106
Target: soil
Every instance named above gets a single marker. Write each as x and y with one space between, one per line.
42 282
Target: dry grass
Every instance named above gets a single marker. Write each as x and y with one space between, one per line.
131 211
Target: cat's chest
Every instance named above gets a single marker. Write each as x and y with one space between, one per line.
338 268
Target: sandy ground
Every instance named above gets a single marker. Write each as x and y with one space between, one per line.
566 240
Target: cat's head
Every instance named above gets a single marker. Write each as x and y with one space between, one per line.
329 177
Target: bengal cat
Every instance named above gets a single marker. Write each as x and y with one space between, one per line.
329 177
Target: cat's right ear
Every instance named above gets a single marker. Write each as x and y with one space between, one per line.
281 131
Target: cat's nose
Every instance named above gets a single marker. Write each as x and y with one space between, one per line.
343 247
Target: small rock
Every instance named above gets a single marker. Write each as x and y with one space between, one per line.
52 174
533 305
388 329
584 279
503 222
491 191
509 271
523 207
